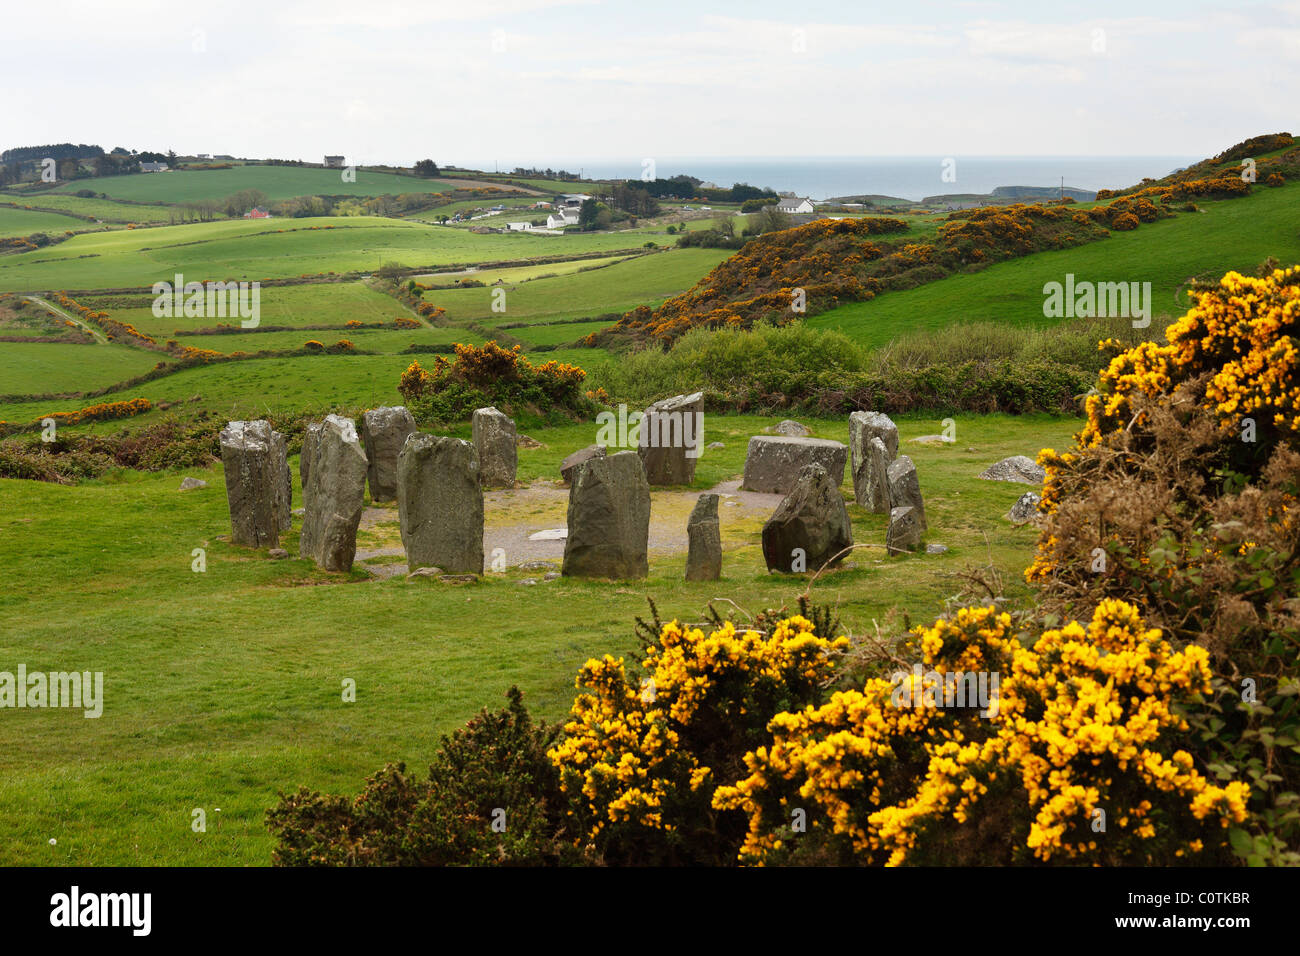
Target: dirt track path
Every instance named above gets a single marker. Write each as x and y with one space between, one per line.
512 517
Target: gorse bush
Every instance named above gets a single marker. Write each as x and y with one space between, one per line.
644 752
1085 719
479 376
1183 492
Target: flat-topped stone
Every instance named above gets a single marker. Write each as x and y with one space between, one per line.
773 462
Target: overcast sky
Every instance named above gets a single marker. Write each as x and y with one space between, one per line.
562 81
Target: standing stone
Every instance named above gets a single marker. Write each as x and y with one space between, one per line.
310 440
494 440
609 519
251 483
569 467
792 428
671 436
440 504
284 482
810 526
864 426
384 431
904 532
334 495
773 463
905 488
871 477
704 551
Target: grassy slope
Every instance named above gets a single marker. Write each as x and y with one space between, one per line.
275 249
35 368
224 687
278 182
105 209
24 222
643 280
1229 234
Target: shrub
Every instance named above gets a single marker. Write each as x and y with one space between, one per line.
1124 222
494 769
491 375
1084 718
641 758
1183 492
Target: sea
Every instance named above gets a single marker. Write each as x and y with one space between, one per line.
904 177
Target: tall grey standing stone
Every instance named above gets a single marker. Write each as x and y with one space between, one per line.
609 519
905 488
704 548
904 531
333 496
494 440
310 441
384 431
864 426
283 483
440 504
871 462
252 480
809 527
671 438
569 467
871 477
773 463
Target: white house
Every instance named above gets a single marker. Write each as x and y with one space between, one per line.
795 206
519 226
561 218
153 167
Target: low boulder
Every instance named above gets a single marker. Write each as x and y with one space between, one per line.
905 488
1018 468
904 531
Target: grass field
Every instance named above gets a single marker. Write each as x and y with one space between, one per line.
222 688
41 367
645 280
276 249
104 209
24 222
1227 234
278 182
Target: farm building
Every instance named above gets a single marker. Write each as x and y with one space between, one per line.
153 167
795 206
257 213
519 226
334 162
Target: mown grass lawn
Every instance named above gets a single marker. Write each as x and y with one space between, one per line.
223 687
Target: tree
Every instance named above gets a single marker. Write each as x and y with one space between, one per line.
426 168
587 215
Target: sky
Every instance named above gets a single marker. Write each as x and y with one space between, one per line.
559 82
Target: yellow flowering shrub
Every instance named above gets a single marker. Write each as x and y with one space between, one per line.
642 755
1086 719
